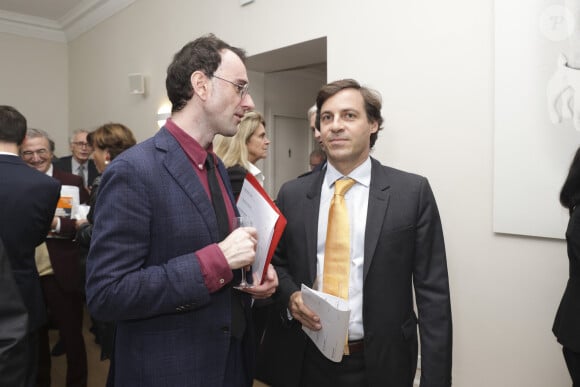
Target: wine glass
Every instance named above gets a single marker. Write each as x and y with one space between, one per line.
242 221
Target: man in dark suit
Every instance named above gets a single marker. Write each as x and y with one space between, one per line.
317 157
13 326
27 202
79 162
396 246
59 267
163 256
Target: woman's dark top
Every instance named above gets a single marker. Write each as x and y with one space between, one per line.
237 175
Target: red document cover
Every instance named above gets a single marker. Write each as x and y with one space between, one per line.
253 206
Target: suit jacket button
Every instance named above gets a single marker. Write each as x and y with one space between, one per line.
225 329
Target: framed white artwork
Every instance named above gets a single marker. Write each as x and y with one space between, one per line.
537 113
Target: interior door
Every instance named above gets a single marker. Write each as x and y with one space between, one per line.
291 149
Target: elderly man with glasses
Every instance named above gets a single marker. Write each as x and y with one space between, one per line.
79 162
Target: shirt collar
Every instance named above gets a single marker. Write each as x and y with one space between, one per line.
192 148
74 164
255 171
361 174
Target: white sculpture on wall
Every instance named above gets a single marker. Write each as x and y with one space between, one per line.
536 82
564 85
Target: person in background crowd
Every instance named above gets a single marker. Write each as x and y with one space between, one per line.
108 141
567 322
13 326
57 262
79 162
317 157
242 151
240 154
312 123
28 200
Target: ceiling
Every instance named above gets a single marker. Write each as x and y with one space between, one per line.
57 20
63 20
47 9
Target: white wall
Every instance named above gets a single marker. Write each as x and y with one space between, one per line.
34 79
433 63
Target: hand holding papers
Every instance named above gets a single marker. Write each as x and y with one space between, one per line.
255 204
334 317
68 204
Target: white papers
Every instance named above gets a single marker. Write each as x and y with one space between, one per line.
252 204
83 211
69 202
334 317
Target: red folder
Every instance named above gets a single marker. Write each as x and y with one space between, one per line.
279 226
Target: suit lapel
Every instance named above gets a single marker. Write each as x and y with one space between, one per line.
377 210
179 167
311 222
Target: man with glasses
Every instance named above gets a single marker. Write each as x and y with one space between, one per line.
58 265
163 256
79 162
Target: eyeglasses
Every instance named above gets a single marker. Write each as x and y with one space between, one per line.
241 88
29 154
81 144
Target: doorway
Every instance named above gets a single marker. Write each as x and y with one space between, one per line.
284 84
291 149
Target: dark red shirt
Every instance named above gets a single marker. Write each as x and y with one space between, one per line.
214 266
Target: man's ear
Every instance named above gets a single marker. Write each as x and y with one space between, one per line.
374 126
200 84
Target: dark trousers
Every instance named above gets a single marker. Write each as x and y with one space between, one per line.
67 310
318 371
573 362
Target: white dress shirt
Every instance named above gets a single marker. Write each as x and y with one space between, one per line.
255 171
357 199
75 168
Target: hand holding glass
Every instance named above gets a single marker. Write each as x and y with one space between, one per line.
242 221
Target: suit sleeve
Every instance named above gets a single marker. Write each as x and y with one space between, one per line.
432 293
44 202
126 279
286 282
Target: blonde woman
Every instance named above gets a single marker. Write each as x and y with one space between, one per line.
241 152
